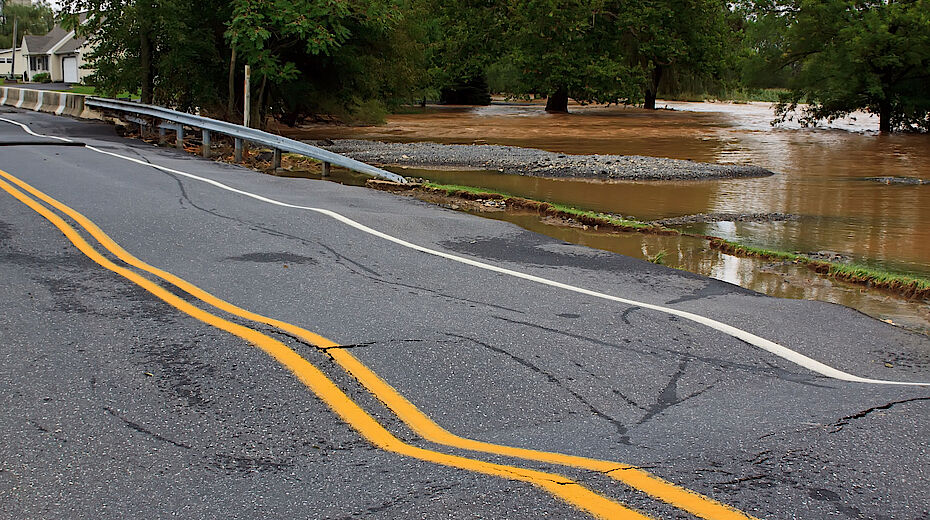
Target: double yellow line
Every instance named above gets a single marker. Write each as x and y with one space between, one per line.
562 487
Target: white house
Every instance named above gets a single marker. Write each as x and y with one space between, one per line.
59 53
6 62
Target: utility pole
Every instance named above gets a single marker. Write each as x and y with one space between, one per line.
13 65
248 97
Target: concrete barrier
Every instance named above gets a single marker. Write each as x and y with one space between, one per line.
58 103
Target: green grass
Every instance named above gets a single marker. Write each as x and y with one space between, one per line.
90 90
904 284
81 89
452 188
585 216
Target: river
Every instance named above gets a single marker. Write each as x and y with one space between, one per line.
821 176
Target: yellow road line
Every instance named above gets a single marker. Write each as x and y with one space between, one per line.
687 500
350 412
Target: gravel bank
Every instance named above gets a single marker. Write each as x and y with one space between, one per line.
537 163
703 218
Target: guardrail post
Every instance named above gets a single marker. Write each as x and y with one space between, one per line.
180 141
325 169
206 143
238 150
162 136
276 162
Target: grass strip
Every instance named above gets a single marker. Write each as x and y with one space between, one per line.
586 217
905 285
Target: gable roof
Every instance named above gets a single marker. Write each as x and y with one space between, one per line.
41 44
37 44
71 45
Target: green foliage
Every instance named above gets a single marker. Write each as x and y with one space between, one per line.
353 59
30 19
42 77
594 51
168 49
658 258
860 55
573 48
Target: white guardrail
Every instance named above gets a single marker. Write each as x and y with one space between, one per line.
171 119
77 105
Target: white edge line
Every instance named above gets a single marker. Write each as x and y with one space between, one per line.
769 346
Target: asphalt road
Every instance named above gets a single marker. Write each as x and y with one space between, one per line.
120 401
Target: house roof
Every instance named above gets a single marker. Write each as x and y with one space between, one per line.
43 44
72 45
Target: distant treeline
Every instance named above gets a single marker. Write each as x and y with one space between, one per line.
360 58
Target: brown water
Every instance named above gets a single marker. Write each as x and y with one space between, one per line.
820 177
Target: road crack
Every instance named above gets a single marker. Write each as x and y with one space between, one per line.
621 428
838 425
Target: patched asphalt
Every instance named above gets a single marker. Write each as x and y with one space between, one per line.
120 404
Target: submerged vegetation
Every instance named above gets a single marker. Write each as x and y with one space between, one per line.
905 285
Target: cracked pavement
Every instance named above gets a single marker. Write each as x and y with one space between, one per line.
118 405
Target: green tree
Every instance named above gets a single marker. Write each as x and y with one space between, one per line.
571 49
169 50
307 56
30 19
860 55
689 36
312 55
465 39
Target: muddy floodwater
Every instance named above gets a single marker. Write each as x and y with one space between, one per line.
825 176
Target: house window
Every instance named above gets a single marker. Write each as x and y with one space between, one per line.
38 62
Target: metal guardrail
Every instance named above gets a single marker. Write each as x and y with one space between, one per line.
171 119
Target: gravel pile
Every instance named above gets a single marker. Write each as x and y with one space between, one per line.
537 163
703 218
897 180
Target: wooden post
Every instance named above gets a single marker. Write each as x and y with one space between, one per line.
325 169
276 162
205 151
13 64
238 150
248 97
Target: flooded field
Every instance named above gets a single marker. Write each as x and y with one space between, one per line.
823 176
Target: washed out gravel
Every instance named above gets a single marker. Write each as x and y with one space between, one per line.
536 163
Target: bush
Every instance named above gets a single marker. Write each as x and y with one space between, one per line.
42 77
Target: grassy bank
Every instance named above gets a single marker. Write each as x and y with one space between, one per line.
588 218
904 285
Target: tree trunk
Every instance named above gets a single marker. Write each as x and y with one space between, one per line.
884 117
145 67
231 100
653 89
558 101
